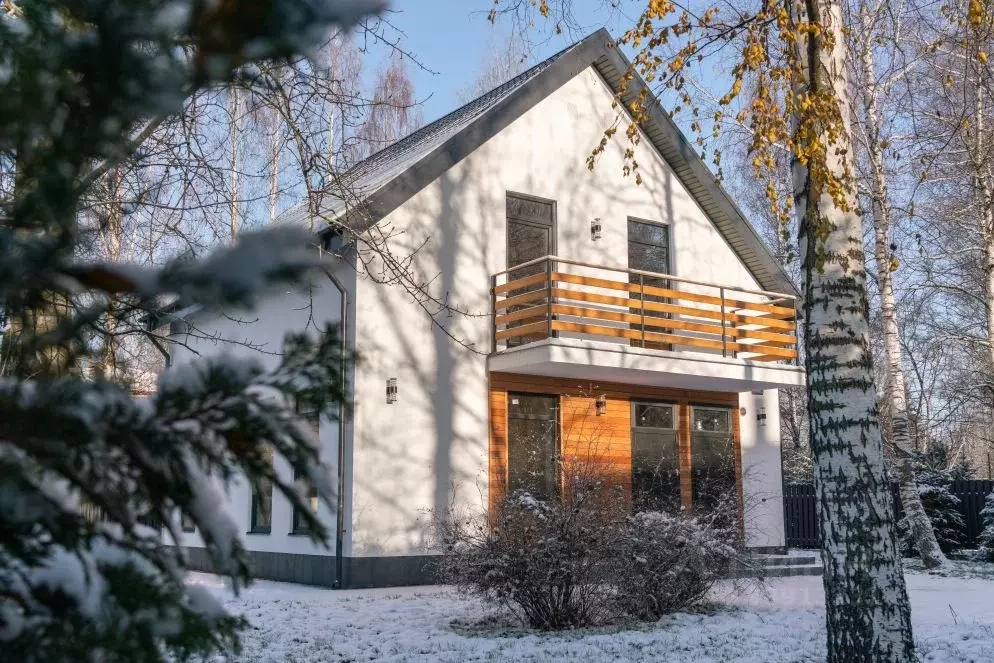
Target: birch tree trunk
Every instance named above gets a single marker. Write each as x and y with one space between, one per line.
984 183
113 241
868 617
919 526
233 137
274 173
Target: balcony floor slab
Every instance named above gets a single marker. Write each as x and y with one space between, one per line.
594 360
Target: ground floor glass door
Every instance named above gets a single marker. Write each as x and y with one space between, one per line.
713 462
655 457
533 444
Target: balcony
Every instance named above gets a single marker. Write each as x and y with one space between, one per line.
559 317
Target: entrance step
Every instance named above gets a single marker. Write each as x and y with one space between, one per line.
799 563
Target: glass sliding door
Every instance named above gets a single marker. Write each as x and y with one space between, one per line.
649 251
655 458
713 463
533 444
531 234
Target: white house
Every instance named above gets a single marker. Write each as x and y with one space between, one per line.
643 327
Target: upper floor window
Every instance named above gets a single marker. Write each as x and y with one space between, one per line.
531 234
531 231
648 246
649 251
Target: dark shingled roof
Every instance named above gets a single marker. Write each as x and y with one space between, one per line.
393 175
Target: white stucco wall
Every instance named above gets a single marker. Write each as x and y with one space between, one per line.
762 487
264 329
428 451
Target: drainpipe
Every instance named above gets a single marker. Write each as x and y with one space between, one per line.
342 413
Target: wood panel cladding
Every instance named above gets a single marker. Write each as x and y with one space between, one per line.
601 444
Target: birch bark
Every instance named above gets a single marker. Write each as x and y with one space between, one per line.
919 526
233 137
868 617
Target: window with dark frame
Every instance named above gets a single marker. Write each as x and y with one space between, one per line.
531 234
186 524
312 416
655 457
649 251
262 503
713 461
533 444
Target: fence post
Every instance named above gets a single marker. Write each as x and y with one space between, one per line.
493 314
642 304
724 341
550 333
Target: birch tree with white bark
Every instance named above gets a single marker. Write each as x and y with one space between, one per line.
874 27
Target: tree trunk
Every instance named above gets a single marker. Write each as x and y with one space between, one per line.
919 526
985 194
274 173
234 138
868 617
113 241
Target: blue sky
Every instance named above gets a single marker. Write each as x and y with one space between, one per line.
450 37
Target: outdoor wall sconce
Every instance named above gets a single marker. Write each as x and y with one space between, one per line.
391 391
595 229
601 405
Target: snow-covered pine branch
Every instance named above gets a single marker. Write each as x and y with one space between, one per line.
78 80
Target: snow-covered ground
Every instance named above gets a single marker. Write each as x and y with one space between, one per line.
953 621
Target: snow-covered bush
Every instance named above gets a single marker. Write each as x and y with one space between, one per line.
547 561
666 562
582 559
985 541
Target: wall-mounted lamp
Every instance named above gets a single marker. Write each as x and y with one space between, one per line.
761 415
601 405
595 229
391 391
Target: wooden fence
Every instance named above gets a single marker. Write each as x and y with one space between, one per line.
800 510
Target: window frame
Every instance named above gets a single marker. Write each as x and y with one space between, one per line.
255 506
671 270
729 411
674 408
556 419
552 225
312 418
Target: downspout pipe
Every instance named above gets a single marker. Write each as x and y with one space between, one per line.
342 414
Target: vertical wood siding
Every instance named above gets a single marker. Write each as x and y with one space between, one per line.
601 443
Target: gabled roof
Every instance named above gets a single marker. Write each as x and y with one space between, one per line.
390 177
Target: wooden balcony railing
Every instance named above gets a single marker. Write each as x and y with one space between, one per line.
555 297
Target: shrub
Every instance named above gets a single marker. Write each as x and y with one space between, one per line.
665 562
582 560
544 560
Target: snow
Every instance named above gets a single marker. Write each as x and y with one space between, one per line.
953 621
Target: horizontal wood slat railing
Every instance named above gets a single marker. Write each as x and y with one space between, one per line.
547 297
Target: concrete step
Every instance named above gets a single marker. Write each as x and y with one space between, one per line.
790 571
788 560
